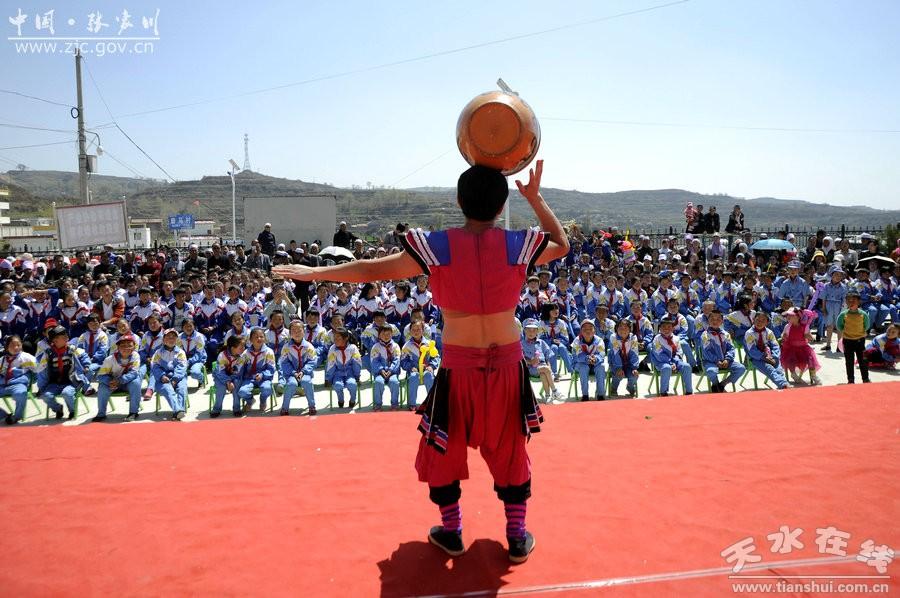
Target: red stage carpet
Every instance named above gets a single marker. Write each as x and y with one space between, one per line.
634 497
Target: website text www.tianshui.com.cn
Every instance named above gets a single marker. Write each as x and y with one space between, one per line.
811 586
94 48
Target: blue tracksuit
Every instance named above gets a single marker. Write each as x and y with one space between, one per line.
126 372
623 355
667 357
716 345
342 370
296 366
15 379
409 361
195 349
171 363
228 369
257 363
385 358
761 344
62 374
583 352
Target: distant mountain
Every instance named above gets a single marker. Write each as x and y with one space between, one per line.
375 210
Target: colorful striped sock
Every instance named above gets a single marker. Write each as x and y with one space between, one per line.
451 518
515 519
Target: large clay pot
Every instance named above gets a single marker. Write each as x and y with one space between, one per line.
499 130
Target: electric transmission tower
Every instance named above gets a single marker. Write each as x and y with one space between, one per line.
247 152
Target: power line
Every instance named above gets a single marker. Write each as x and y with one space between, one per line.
422 167
410 60
30 97
133 171
30 128
37 145
116 124
708 126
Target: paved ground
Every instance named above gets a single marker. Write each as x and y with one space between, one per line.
832 373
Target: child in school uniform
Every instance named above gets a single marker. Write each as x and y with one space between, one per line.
719 354
257 372
740 320
884 350
120 372
642 328
555 334
227 375
151 340
682 330
169 367
385 360
343 367
316 335
588 357
623 360
409 361
61 370
417 315
277 334
15 379
194 346
832 296
796 353
95 344
604 326
667 357
763 350
853 323
296 364
536 354
238 327
399 307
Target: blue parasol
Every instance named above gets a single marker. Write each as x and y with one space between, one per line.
772 245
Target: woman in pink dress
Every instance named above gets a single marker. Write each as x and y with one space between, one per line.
796 354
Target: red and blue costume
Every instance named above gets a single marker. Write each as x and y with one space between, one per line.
481 397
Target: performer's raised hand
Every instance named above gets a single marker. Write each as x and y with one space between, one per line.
295 272
532 191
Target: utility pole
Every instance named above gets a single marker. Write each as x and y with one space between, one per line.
82 152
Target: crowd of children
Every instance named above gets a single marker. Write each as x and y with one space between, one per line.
596 314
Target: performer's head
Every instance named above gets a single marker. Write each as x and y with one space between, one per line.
481 193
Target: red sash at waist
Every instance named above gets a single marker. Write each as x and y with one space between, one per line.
495 356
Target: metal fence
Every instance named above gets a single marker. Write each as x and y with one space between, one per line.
801 234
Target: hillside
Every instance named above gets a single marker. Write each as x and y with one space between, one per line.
375 210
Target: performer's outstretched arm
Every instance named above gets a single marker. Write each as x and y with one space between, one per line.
392 267
559 243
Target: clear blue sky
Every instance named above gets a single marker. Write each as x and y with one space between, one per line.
765 63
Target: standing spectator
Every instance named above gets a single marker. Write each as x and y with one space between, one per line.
358 249
735 220
849 256
105 266
643 249
698 221
195 261
59 269
807 255
257 259
715 251
711 221
217 259
151 267
871 244
267 242
81 266
174 261
343 237
392 239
